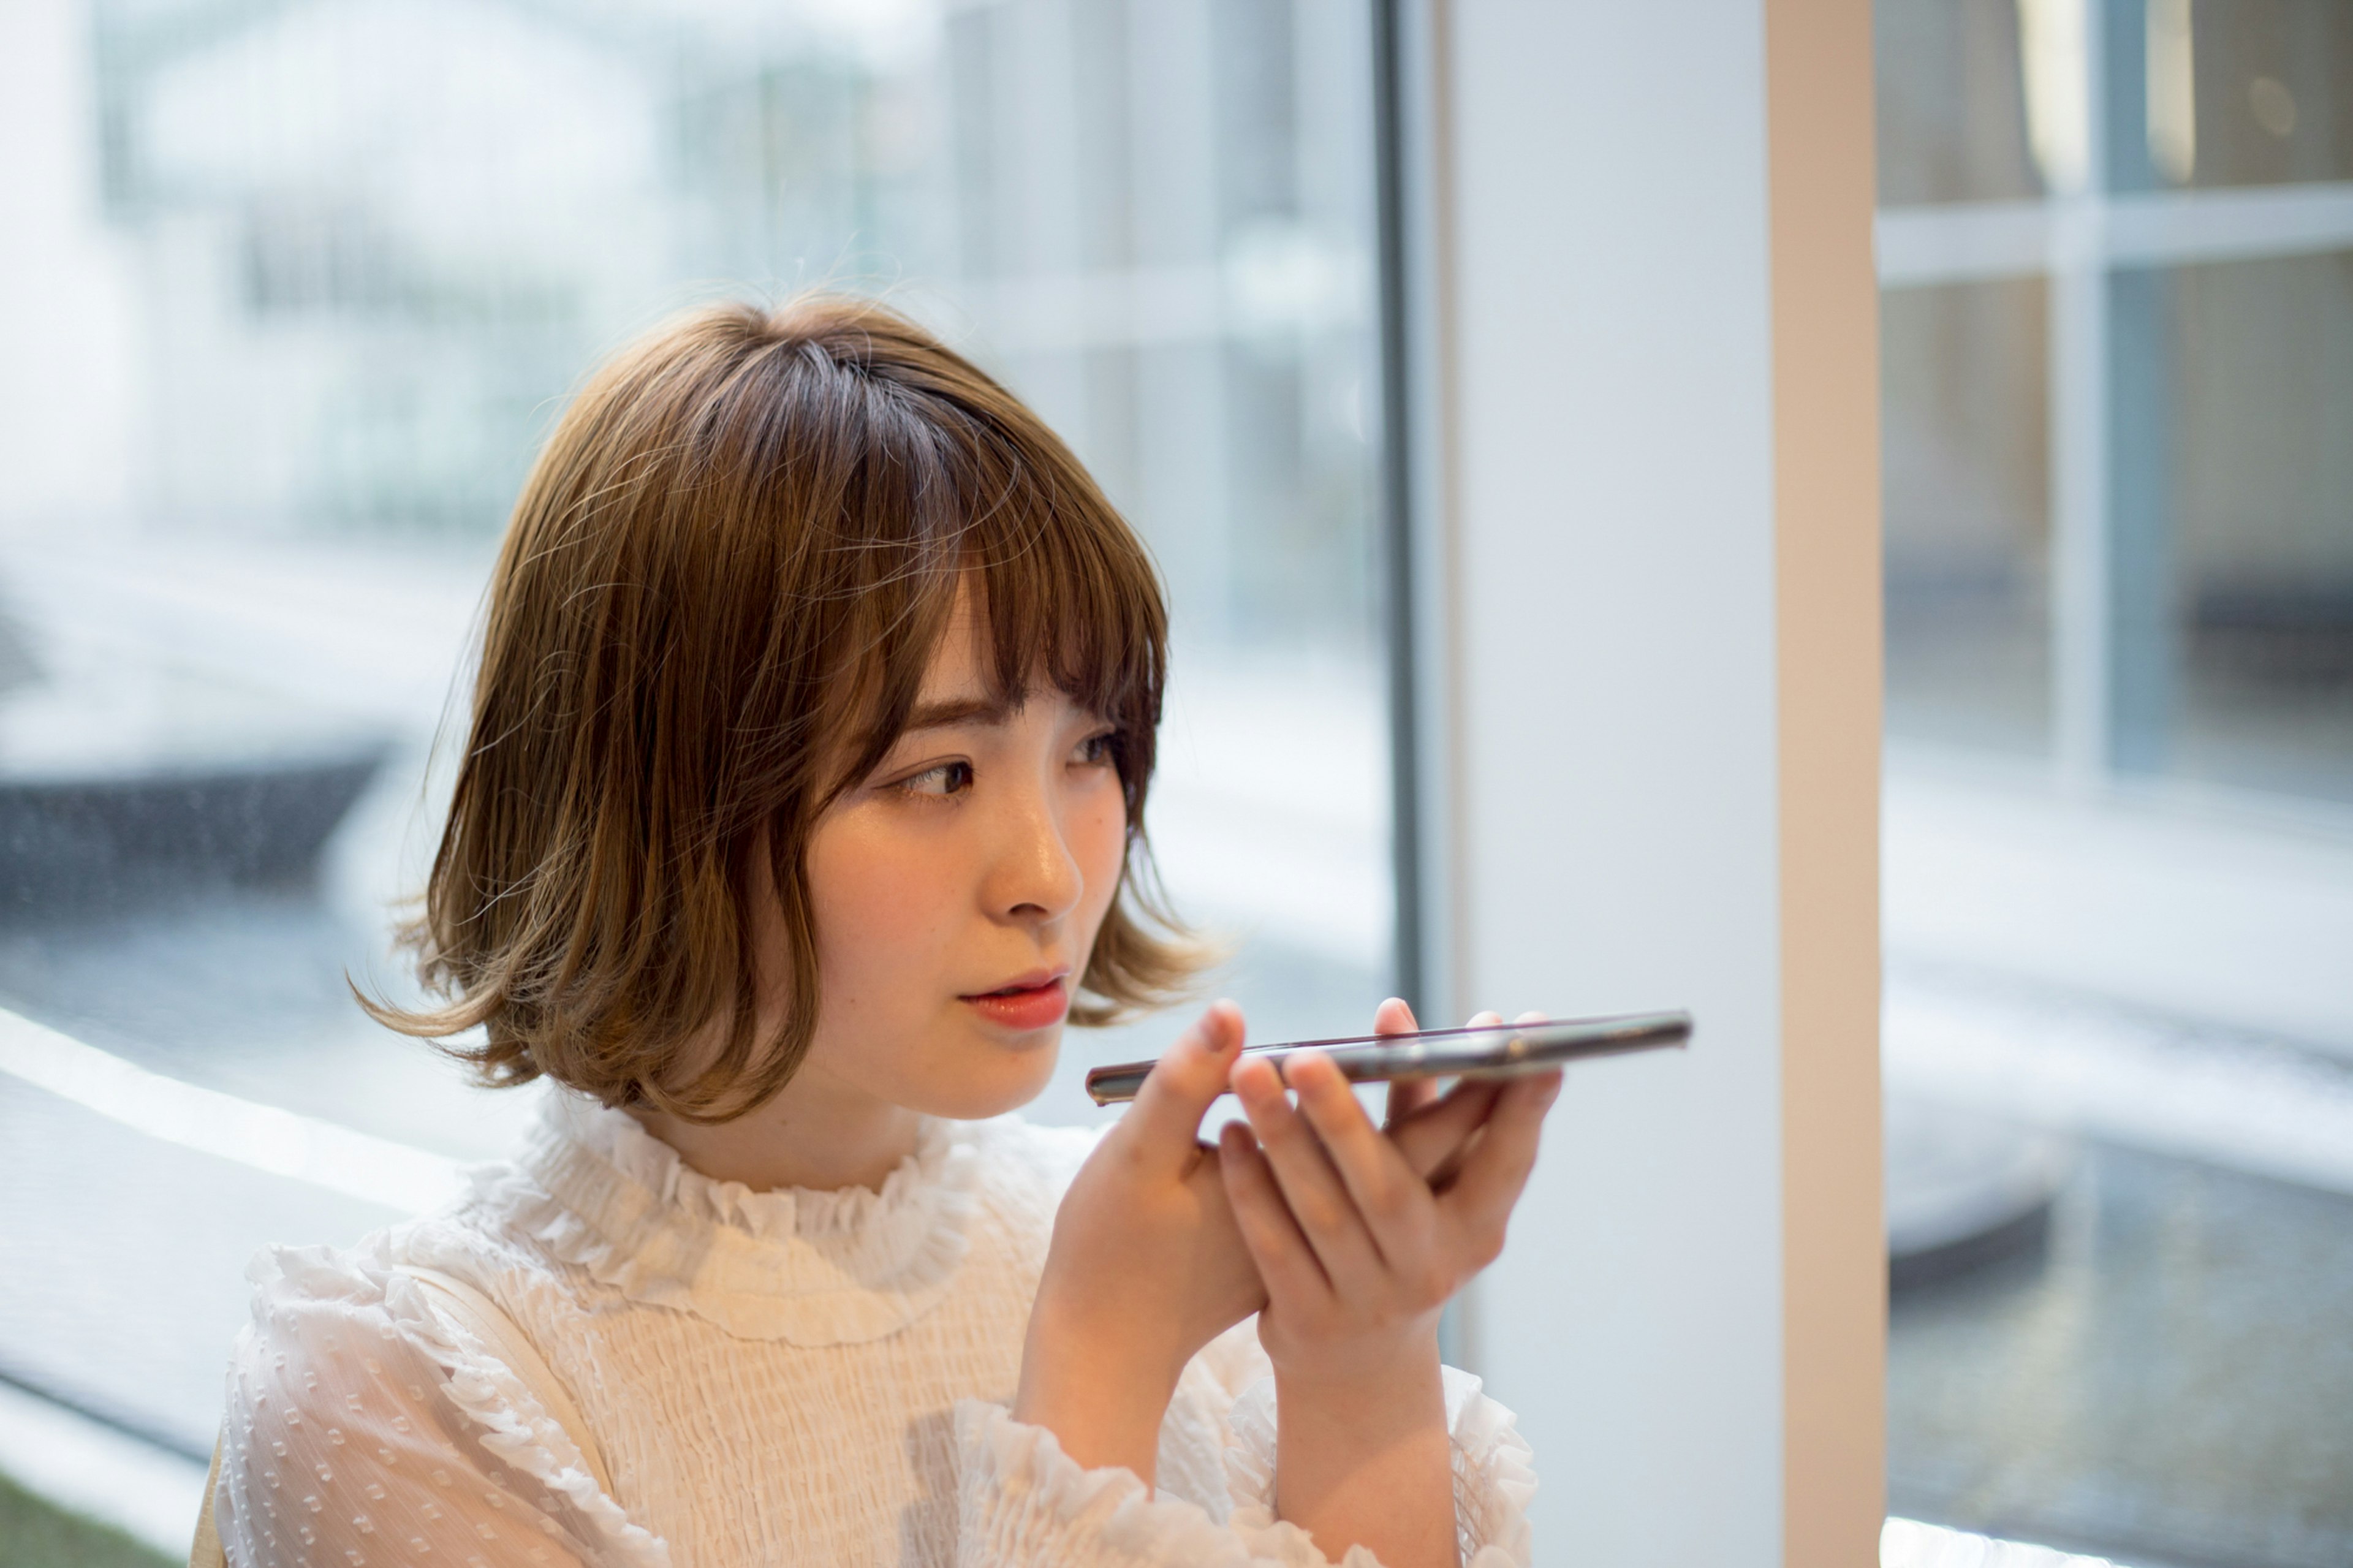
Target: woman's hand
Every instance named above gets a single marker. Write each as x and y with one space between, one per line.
1359 1250
1146 1266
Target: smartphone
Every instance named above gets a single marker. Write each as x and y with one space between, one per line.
1475 1051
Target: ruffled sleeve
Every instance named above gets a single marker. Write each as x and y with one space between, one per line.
362 1430
1022 1502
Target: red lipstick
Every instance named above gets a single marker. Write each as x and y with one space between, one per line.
1030 1003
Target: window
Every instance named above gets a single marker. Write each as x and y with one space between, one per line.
300 288
2112 388
2116 251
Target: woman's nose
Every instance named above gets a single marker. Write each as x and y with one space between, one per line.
1036 877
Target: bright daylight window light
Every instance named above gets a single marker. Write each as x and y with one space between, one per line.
2054 36
2172 90
1908 1543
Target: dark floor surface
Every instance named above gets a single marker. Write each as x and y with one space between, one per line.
2170 1376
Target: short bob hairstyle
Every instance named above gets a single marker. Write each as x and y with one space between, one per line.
723 584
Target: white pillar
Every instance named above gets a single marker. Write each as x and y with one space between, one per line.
1654 307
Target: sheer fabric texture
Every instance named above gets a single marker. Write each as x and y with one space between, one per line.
767 1378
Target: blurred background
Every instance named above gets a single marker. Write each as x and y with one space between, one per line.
289 290
288 295
2115 253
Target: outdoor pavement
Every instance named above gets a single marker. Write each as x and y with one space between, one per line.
2169 1379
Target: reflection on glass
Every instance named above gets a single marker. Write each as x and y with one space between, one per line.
2234 601
1952 109
1966 515
2233 92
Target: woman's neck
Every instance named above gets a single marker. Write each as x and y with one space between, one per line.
819 1133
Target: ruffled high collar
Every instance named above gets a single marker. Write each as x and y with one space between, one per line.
808 1267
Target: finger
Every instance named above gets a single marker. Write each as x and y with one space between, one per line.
1439 1166
1164 1122
1496 1171
1434 1140
1406 1095
1392 1201
1427 1151
1319 1202
1286 1264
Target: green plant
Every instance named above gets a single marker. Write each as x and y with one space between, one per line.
36 1533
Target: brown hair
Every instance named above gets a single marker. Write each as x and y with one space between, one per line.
712 614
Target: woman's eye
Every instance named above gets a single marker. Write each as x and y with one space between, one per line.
948 778
1096 750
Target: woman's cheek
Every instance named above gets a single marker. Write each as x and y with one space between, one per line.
903 899
879 898
1104 851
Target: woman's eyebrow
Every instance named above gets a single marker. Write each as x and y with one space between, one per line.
960 711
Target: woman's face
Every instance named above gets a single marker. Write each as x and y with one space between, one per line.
957 891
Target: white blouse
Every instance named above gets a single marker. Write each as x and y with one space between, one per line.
770 1378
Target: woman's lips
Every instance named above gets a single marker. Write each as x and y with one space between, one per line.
1025 1006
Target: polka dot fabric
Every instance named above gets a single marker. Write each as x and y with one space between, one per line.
343 1449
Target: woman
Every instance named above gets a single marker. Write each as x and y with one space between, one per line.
803 804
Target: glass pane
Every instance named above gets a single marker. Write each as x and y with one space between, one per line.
2103 1324
2236 92
2235 541
1952 103
294 292
1966 515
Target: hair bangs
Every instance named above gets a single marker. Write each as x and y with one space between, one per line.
1065 594
1071 602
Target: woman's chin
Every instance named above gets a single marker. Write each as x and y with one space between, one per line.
1014 1078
